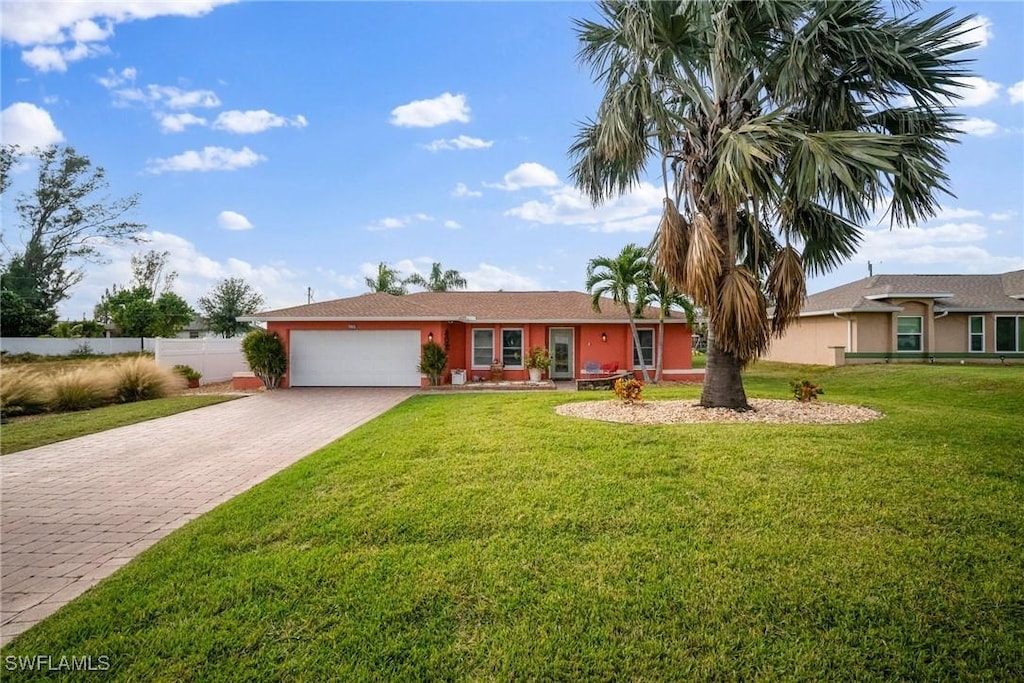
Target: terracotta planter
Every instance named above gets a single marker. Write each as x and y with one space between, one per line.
193 384
497 372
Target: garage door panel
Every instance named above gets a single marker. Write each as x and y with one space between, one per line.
354 358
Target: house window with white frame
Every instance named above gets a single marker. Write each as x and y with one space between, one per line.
909 333
1009 333
512 348
646 348
483 348
976 333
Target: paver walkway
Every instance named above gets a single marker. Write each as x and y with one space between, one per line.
73 512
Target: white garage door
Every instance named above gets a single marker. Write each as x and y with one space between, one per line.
355 358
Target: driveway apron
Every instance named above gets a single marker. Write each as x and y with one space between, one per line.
73 512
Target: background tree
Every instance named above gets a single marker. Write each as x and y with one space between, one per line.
622 278
387 281
229 299
76 329
150 269
62 224
137 313
658 291
438 281
778 127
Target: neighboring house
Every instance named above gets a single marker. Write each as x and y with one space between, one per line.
922 318
376 339
197 328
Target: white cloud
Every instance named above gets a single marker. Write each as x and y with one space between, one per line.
461 142
1001 216
49 58
176 123
975 91
487 277
977 30
168 96
254 121
231 220
953 213
28 126
1016 92
961 245
88 31
444 108
395 222
452 225
115 79
976 126
638 211
528 174
207 159
462 191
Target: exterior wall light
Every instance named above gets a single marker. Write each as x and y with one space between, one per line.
604 336
430 337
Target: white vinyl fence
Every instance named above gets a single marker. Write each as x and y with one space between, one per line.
217 359
65 347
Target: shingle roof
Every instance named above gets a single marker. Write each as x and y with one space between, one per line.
481 306
951 292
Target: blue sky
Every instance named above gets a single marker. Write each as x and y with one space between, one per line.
298 144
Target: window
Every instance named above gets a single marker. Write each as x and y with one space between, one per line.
483 348
512 348
976 333
1009 333
909 333
646 347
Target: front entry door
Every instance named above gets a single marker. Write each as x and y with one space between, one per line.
562 361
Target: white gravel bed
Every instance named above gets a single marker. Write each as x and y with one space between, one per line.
688 412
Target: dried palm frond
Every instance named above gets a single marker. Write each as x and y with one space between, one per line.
788 287
740 315
672 243
703 264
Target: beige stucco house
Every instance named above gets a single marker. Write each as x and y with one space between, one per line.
922 318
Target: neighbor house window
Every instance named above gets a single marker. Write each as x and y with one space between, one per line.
909 332
646 348
1009 333
976 334
483 348
512 348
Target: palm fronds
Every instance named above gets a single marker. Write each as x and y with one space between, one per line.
703 265
739 315
672 243
787 288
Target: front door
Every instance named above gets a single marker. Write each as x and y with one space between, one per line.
562 360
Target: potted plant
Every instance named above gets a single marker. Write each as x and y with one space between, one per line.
497 371
537 362
191 375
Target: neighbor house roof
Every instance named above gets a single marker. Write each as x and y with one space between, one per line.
967 293
464 306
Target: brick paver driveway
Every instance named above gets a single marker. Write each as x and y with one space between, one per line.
75 511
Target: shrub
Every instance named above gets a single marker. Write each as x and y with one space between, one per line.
141 379
805 391
629 390
81 389
538 358
264 352
22 393
433 362
188 372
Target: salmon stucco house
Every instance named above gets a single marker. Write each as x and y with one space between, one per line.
376 339
917 318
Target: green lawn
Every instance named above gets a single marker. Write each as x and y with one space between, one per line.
29 432
485 537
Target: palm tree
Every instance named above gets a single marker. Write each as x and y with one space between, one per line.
659 291
779 127
387 281
622 278
439 281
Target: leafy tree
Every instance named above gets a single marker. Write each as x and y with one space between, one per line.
623 278
76 329
229 299
433 362
778 128
62 225
137 313
439 281
387 281
265 354
19 318
658 291
149 269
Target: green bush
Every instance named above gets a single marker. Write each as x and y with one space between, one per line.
81 389
433 362
265 354
805 390
188 372
141 379
22 393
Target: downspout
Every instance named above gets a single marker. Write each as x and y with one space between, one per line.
849 331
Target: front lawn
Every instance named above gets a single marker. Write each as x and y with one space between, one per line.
485 537
40 430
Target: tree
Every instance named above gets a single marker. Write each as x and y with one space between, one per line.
19 318
439 281
623 279
658 291
149 269
76 329
62 225
137 313
387 281
778 127
265 354
228 300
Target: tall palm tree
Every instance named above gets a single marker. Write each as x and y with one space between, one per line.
778 126
439 281
622 278
659 291
387 281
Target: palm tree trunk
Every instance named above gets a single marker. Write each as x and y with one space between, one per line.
659 361
723 383
636 342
